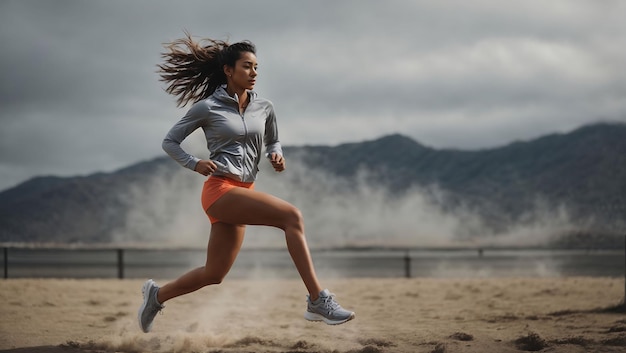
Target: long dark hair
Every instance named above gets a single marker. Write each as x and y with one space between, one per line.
194 69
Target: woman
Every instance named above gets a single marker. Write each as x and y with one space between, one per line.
219 78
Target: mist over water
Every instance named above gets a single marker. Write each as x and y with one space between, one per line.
337 211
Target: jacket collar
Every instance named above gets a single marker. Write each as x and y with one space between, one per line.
221 94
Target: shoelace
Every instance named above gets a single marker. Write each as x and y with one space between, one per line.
330 303
157 309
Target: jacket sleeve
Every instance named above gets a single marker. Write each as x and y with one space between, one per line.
195 118
272 145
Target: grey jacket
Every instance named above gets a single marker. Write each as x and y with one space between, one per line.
234 140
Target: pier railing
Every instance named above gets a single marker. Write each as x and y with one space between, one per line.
128 262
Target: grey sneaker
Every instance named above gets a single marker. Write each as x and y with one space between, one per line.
150 306
326 309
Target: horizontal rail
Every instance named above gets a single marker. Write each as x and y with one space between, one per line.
405 255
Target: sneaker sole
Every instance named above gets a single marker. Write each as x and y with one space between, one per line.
145 289
317 317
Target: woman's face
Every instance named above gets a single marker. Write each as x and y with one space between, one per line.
243 75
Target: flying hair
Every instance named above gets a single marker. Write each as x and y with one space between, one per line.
193 70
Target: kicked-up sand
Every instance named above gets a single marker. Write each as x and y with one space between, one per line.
392 315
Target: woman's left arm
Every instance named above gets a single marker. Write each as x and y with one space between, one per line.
273 149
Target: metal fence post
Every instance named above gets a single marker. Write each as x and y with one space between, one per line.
120 263
407 264
6 262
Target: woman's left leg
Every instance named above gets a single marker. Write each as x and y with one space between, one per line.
245 206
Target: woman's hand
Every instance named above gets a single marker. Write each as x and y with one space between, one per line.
205 167
278 162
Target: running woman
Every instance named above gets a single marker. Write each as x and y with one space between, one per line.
218 78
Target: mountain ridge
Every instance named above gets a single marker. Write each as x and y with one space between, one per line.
584 169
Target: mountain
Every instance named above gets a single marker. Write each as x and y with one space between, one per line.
583 172
75 209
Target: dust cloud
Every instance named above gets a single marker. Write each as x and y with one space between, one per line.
338 212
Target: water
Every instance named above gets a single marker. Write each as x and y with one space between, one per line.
103 263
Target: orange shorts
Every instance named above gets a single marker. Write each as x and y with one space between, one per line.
215 187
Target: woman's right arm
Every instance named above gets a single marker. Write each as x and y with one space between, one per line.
195 118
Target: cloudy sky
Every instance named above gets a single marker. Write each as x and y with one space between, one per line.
79 92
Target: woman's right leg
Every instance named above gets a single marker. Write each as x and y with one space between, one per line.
224 245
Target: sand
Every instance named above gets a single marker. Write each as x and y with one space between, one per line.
393 315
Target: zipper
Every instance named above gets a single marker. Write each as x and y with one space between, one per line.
245 137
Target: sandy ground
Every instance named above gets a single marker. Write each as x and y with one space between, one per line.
393 315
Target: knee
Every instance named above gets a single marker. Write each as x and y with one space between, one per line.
294 219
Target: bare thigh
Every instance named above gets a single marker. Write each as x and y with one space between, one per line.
245 206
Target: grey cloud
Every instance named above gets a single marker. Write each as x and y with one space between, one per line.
78 78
